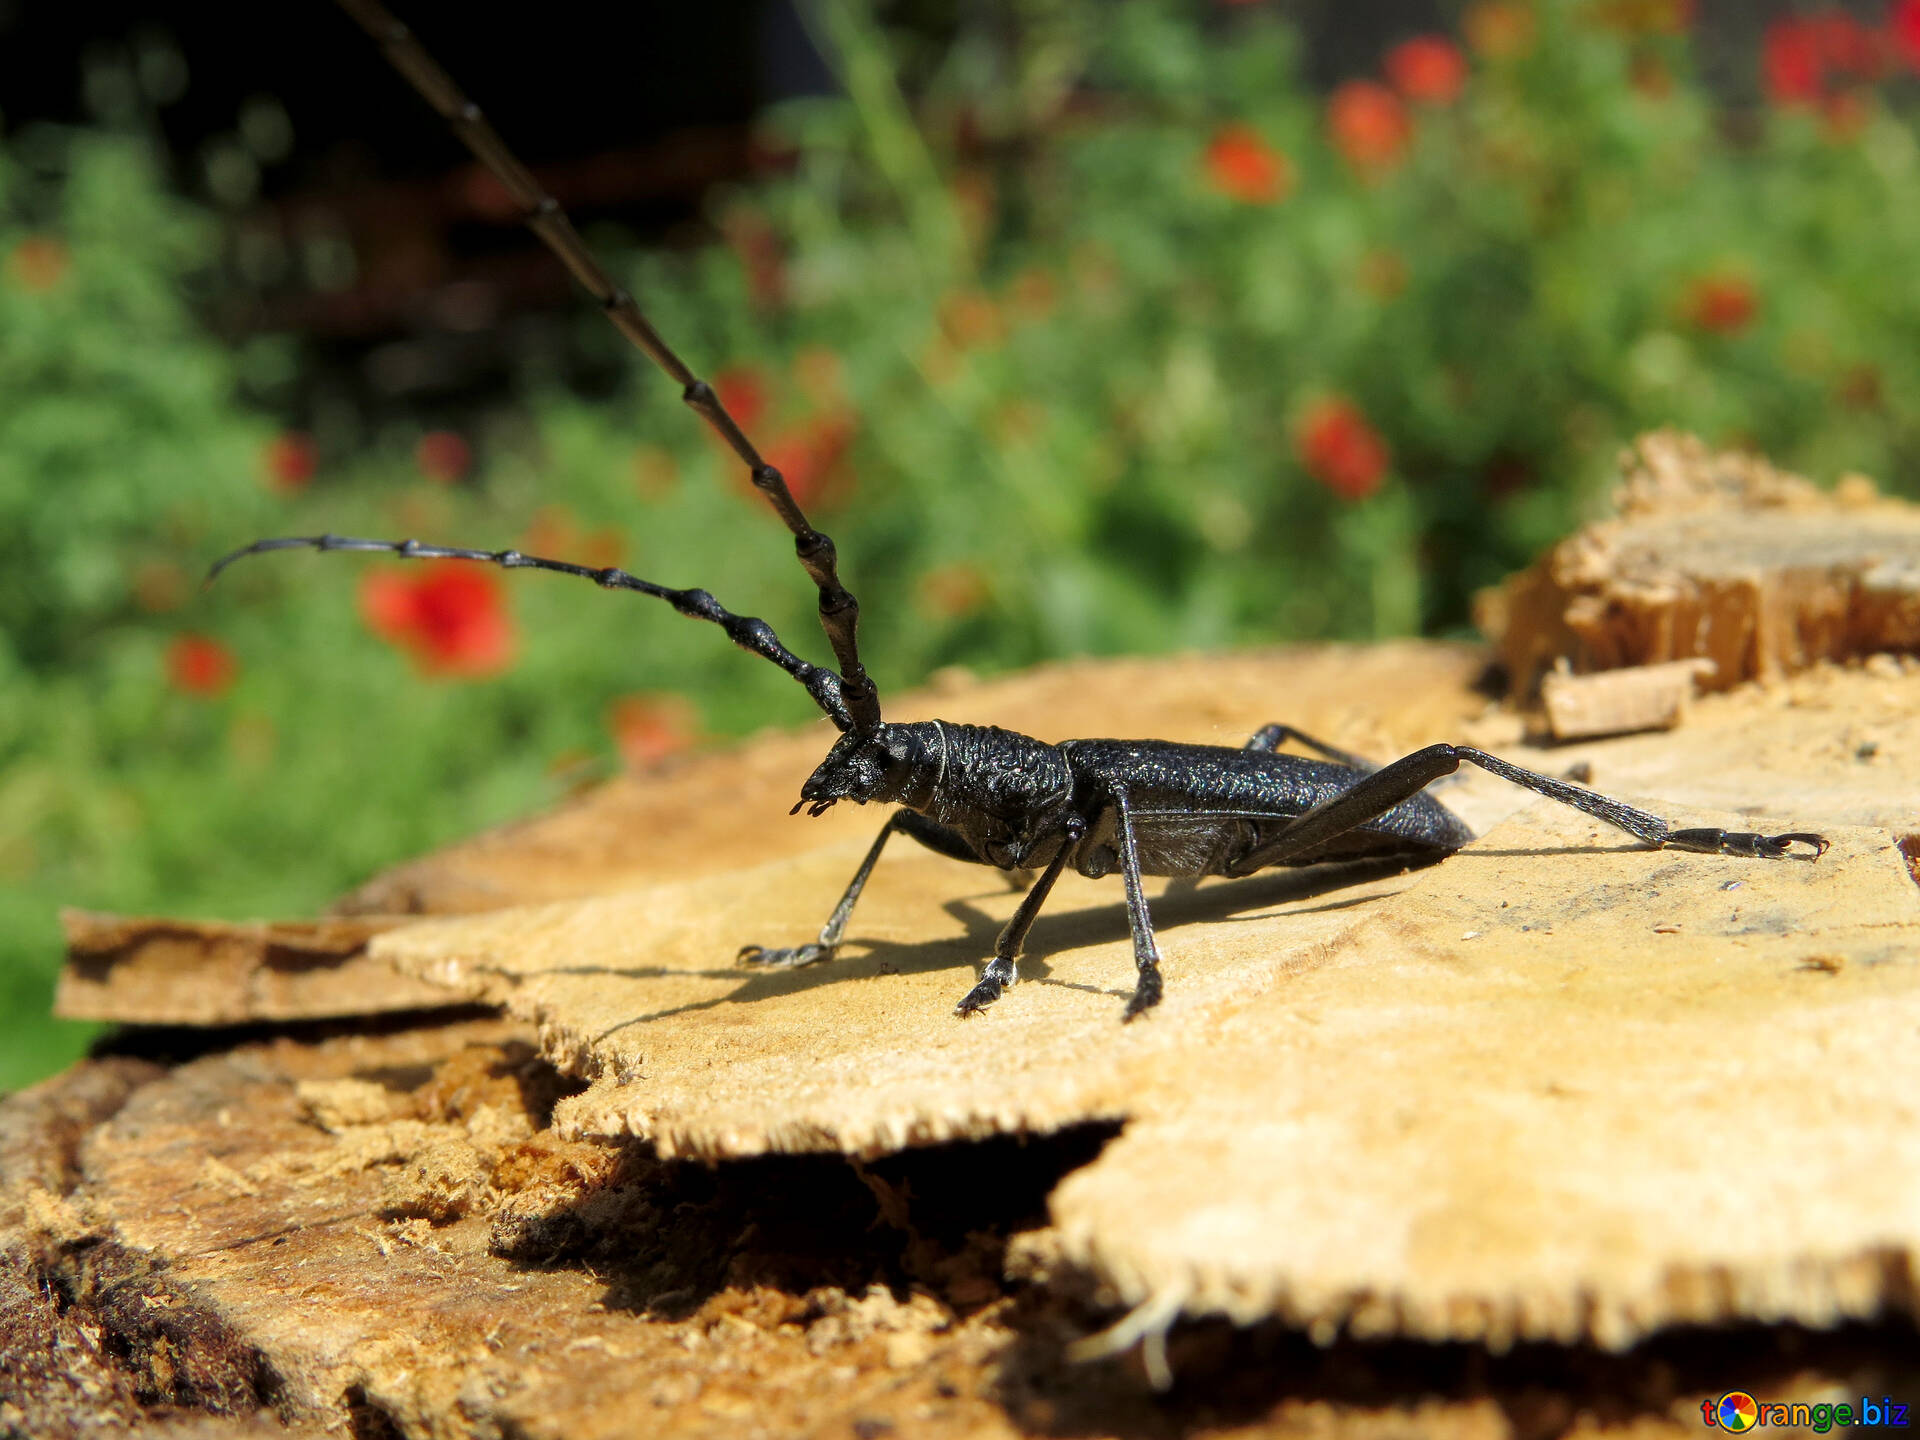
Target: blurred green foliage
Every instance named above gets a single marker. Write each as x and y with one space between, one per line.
1122 339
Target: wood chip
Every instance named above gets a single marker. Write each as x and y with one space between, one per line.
1620 702
1718 556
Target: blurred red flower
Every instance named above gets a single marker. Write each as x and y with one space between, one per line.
811 457
971 320
555 534
1645 17
1721 304
1848 46
1370 126
648 728
758 249
290 461
1845 114
1428 69
656 474
1903 28
953 591
451 616
1790 62
197 665
1338 447
1242 166
742 389
1499 29
1801 54
38 263
443 456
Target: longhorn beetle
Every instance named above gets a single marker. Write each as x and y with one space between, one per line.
986 795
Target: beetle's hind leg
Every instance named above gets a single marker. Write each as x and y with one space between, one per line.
1373 795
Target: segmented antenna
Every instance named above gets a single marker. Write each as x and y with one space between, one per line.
839 611
748 632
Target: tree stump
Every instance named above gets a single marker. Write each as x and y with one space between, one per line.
1561 1136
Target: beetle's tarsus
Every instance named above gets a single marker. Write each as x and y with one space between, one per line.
976 1000
1146 995
761 958
1745 843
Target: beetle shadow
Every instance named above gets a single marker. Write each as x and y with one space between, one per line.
1251 898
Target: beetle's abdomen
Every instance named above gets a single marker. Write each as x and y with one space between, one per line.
1197 808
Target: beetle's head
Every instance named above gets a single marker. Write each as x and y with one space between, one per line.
894 764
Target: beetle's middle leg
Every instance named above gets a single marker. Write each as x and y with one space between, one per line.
1271 737
1002 969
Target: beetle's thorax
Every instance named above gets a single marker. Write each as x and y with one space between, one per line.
946 771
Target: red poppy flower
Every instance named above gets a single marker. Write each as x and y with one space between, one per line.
1721 304
1428 69
1243 167
290 461
1338 447
197 665
443 457
1369 125
649 728
451 616
1790 62
1903 28
1847 46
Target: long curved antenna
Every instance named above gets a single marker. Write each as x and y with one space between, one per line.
747 631
839 611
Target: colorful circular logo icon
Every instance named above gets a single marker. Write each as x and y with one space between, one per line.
1737 1411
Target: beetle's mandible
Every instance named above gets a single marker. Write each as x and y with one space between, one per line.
990 796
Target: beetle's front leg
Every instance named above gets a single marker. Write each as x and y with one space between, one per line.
1003 969
814 951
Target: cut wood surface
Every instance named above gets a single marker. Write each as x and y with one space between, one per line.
1559 1088
1425 1038
1718 556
